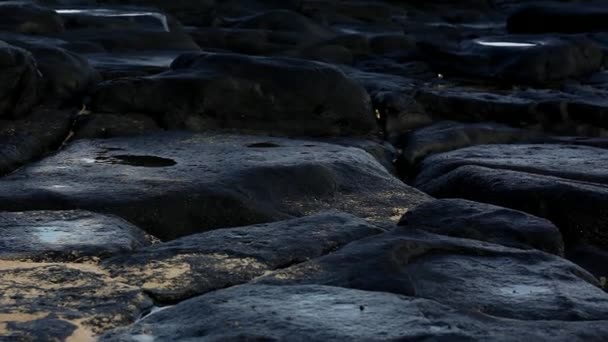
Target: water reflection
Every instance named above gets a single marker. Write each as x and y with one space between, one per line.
504 44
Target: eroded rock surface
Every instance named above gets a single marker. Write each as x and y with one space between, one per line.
200 263
177 184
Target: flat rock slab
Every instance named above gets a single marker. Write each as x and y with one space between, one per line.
176 184
58 301
199 94
200 263
325 313
32 137
485 222
66 235
464 274
563 183
446 136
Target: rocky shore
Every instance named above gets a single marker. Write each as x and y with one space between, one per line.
303 170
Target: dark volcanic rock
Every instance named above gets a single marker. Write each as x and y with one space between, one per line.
178 183
485 222
285 20
75 300
464 274
200 263
325 313
67 74
473 105
113 125
446 136
563 183
277 95
559 17
19 83
516 59
32 137
65 235
26 17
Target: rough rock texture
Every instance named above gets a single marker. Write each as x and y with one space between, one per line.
517 60
276 95
19 90
485 222
177 184
325 313
461 273
565 184
446 136
65 235
30 138
200 263
26 17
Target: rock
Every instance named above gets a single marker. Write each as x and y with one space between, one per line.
177 184
509 60
576 110
197 13
325 313
55 301
199 92
286 21
26 17
249 41
20 81
67 74
32 137
485 222
197 264
65 235
464 274
474 105
591 258
559 17
563 183
113 125
446 136
117 65
384 152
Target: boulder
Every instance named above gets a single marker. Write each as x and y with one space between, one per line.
513 60
20 81
563 183
325 313
32 137
199 92
27 17
461 273
473 220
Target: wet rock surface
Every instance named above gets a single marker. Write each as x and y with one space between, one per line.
480 221
196 264
303 170
175 184
66 235
328 313
462 273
